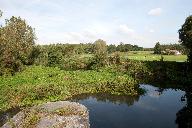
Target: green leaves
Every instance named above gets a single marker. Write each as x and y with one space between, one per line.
100 52
39 84
185 36
157 48
16 44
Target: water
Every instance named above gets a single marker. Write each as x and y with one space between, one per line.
156 109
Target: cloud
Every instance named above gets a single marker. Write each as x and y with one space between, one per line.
125 29
84 36
86 21
155 12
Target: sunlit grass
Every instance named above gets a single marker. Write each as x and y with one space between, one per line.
145 56
149 56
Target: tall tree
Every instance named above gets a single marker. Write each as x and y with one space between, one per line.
100 52
157 48
185 36
16 43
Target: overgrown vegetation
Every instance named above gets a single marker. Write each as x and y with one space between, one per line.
39 84
31 74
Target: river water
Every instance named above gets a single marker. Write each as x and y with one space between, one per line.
157 108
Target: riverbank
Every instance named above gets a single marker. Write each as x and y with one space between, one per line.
39 84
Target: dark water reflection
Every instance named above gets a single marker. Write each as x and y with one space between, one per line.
184 116
158 108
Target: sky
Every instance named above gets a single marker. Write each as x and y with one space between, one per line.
138 22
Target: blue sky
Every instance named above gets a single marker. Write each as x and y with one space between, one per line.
141 22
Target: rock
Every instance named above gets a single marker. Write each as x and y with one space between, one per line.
61 114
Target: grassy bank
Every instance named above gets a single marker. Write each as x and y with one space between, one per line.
37 84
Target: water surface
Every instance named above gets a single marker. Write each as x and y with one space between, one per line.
156 109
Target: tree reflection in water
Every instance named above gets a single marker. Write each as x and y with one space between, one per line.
105 97
184 116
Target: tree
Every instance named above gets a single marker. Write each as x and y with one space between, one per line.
128 47
121 47
185 36
54 55
100 52
16 44
111 48
157 48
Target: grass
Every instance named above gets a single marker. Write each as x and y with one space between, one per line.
39 84
179 58
149 56
145 56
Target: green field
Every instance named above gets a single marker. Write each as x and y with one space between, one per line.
145 56
149 56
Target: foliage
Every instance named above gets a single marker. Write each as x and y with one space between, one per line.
154 71
128 47
100 52
111 48
185 36
16 44
54 56
157 48
39 84
115 58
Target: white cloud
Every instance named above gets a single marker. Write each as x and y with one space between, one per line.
76 22
86 35
125 29
155 12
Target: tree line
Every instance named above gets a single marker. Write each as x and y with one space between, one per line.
17 48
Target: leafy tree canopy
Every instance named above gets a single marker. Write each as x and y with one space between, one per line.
16 44
185 33
100 52
185 36
157 48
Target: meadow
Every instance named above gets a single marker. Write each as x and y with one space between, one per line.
145 56
149 56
